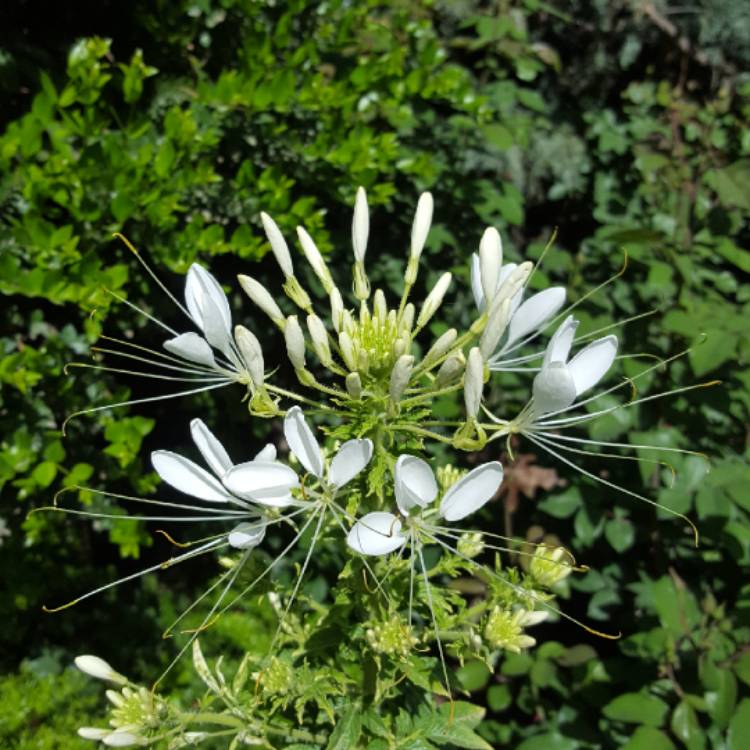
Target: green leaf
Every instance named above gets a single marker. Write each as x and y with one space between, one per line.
739 727
742 667
648 738
722 696
686 727
44 473
499 697
730 183
548 742
637 708
620 534
346 733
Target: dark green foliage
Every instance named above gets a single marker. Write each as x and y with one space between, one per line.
175 123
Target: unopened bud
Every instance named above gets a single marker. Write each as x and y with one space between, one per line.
98 668
440 347
473 383
295 342
434 300
319 337
360 226
490 261
278 244
399 347
449 371
260 296
315 259
421 225
380 309
550 565
251 353
495 328
347 351
354 385
93 733
400 377
337 309
361 282
119 738
407 319
514 282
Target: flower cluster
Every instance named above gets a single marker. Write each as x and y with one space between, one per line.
372 483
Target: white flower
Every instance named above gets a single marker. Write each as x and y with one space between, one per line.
415 489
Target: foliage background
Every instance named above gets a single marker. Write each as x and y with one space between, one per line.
621 123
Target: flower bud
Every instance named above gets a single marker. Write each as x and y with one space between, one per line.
251 353
421 225
434 300
490 261
495 328
473 383
121 739
380 309
354 385
337 309
295 342
399 347
400 377
550 566
315 259
361 282
347 351
319 337
98 668
449 371
278 244
360 225
260 296
93 733
440 347
407 319
514 282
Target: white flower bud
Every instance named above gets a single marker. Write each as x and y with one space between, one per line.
251 353
434 300
399 347
448 372
278 244
490 261
495 328
354 385
337 309
347 351
514 282
295 342
379 307
315 259
98 668
93 733
121 739
473 382
319 337
400 376
360 225
261 297
407 320
421 225
440 347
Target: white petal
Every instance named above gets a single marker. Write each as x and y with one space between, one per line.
192 347
553 388
535 312
352 457
561 341
376 534
471 492
415 483
199 284
264 482
490 261
246 535
476 282
211 449
186 476
302 442
360 225
590 364
217 331
267 453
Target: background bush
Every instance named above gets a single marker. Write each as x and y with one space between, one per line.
622 124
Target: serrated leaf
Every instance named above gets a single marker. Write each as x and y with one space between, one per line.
346 733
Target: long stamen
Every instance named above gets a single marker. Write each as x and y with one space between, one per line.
160 566
152 375
143 401
614 486
141 311
190 367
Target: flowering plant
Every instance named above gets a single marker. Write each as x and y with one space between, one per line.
362 475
